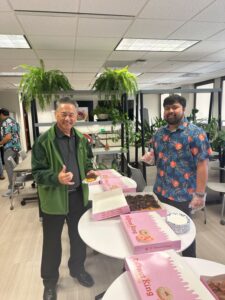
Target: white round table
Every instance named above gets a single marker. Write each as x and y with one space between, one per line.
122 287
108 237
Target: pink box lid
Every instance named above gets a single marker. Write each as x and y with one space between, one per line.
148 231
164 275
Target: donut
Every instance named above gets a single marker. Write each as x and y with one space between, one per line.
164 293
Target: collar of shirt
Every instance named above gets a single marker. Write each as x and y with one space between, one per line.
60 134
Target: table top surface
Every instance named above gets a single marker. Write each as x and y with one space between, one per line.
122 288
98 235
111 150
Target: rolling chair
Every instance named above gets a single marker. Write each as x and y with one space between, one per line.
19 180
220 188
138 177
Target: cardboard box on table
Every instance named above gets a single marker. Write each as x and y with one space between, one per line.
164 275
117 182
149 232
109 204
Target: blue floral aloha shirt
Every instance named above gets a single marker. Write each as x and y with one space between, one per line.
177 154
9 125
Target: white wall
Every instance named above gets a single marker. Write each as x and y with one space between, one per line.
152 103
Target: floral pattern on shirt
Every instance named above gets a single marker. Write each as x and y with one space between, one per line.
177 154
9 125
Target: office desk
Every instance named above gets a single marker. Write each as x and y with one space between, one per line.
98 235
111 150
122 288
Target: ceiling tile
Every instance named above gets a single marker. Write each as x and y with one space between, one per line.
51 42
96 43
94 27
43 5
192 66
48 25
213 13
115 7
200 50
17 53
55 54
63 65
82 76
126 55
9 24
173 9
220 36
4 6
142 28
216 56
91 54
197 30
82 66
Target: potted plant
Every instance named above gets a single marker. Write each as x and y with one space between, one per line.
102 112
110 86
113 83
40 84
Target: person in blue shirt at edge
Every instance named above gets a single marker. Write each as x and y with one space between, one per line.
10 141
181 151
2 177
61 159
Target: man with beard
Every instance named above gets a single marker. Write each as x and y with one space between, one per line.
181 152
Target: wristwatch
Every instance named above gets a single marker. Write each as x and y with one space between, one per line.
200 195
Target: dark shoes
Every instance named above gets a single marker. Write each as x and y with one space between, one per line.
84 278
50 294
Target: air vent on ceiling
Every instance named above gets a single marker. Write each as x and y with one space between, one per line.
118 63
190 75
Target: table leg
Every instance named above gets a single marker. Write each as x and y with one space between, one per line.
99 296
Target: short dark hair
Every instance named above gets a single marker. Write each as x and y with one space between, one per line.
174 99
4 111
65 100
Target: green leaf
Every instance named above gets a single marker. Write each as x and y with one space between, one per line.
41 85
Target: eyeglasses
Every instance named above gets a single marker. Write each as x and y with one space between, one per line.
65 114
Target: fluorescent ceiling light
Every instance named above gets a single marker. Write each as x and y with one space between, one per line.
11 74
154 45
13 41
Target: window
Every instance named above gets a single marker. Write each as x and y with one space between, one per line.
203 102
223 104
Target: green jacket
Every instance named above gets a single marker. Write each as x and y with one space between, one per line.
46 165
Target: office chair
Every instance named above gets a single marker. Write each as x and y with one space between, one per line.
138 177
19 180
22 154
220 188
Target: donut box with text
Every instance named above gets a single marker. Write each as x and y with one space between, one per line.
148 232
164 276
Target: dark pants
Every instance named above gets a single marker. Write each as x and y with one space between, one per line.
183 206
52 248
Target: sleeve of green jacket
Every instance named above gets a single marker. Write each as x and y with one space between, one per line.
41 169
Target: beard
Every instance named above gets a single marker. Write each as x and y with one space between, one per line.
174 119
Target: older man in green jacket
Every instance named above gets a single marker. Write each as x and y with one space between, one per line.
61 159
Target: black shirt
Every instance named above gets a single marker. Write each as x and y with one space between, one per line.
68 150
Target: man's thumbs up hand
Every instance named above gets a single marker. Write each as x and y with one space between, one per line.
65 177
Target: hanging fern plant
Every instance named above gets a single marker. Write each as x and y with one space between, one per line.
41 85
113 83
